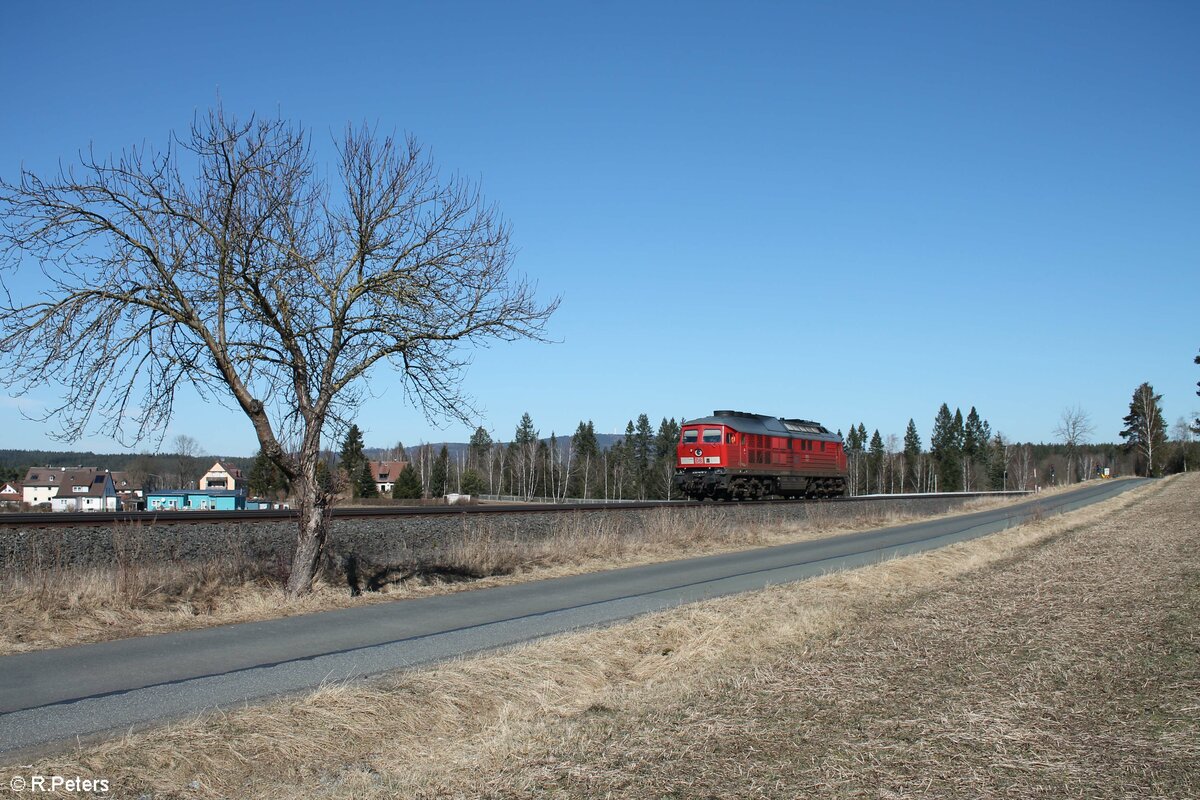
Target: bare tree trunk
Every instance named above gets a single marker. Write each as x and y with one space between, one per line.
314 508
310 545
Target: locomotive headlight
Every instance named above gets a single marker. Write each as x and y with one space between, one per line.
699 452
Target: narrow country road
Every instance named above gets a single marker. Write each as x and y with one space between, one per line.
55 696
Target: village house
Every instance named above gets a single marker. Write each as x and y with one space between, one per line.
71 489
129 494
221 477
11 494
385 474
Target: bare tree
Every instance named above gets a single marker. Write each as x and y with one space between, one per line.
227 262
1073 429
187 450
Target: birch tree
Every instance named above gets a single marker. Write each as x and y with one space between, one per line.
226 261
1144 432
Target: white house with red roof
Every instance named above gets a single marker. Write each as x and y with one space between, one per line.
385 474
11 494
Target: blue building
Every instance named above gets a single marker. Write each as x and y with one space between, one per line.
196 500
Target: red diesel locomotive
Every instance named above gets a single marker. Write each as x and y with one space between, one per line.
733 455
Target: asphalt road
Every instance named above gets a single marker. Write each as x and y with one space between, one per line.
75 693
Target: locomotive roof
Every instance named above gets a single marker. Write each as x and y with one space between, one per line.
762 424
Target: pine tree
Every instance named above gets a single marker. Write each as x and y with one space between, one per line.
997 464
365 485
352 458
472 482
643 454
945 446
912 457
975 442
407 485
265 479
439 475
875 462
586 454
523 457
856 441
480 448
1144 431
621 466
666 442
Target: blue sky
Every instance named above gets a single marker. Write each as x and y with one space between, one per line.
841 211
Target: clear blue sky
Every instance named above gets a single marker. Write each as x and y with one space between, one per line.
841 211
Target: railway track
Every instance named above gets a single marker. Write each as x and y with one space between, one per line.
41 519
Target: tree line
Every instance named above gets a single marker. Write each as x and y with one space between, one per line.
637 466
963 454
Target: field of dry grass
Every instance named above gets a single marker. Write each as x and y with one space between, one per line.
61 607
1058 659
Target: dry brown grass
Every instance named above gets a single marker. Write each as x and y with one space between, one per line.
1044 660
60 607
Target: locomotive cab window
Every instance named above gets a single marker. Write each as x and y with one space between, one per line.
730 438
690 436
712 435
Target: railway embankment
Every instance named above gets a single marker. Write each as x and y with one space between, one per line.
409 539
64 585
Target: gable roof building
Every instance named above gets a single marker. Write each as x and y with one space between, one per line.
86 490
41 484
11 493
220 476
385 474
71 489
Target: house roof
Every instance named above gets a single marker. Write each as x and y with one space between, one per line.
95 483
8 487
60 476
386 470
219 467
121 481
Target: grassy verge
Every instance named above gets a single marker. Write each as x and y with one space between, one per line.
1055 659
61 607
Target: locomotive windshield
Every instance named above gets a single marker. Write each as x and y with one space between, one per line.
712 435
690 435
